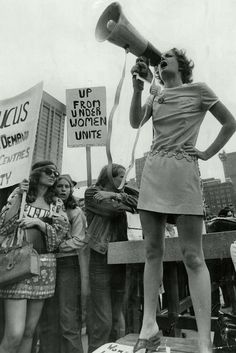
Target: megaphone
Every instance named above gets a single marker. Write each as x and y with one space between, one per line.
114 27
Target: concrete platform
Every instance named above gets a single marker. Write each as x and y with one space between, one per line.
176 344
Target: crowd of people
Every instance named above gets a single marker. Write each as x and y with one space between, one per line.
44 313
47 307
222 270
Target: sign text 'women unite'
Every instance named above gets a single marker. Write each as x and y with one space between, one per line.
86 116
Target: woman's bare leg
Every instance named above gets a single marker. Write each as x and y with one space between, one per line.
15 315
153 225
34 309
190 235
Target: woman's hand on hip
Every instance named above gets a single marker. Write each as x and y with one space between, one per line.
193 151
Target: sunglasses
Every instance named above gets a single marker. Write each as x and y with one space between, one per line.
50 171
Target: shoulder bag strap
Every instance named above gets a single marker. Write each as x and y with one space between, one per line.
21 234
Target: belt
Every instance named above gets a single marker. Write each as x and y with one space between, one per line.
177 154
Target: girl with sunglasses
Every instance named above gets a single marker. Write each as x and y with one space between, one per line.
61 321
45 225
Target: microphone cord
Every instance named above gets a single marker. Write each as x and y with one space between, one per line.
109 130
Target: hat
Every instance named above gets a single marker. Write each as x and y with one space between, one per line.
68 178
42 164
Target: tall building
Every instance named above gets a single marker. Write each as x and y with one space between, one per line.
218 195
50 131
49 137
229 164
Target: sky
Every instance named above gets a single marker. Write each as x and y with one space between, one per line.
54 41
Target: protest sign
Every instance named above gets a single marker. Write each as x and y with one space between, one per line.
86 117
18 125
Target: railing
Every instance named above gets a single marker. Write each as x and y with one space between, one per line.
215 246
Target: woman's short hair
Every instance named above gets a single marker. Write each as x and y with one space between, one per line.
185 66
35 174
103 178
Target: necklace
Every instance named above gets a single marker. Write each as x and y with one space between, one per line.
161 94
157 91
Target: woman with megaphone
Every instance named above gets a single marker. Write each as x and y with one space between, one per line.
171 185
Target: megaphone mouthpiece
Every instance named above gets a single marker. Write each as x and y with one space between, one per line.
114 27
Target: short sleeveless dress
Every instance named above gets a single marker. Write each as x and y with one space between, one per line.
171 181
43 285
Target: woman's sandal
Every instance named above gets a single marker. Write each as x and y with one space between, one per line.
150 345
